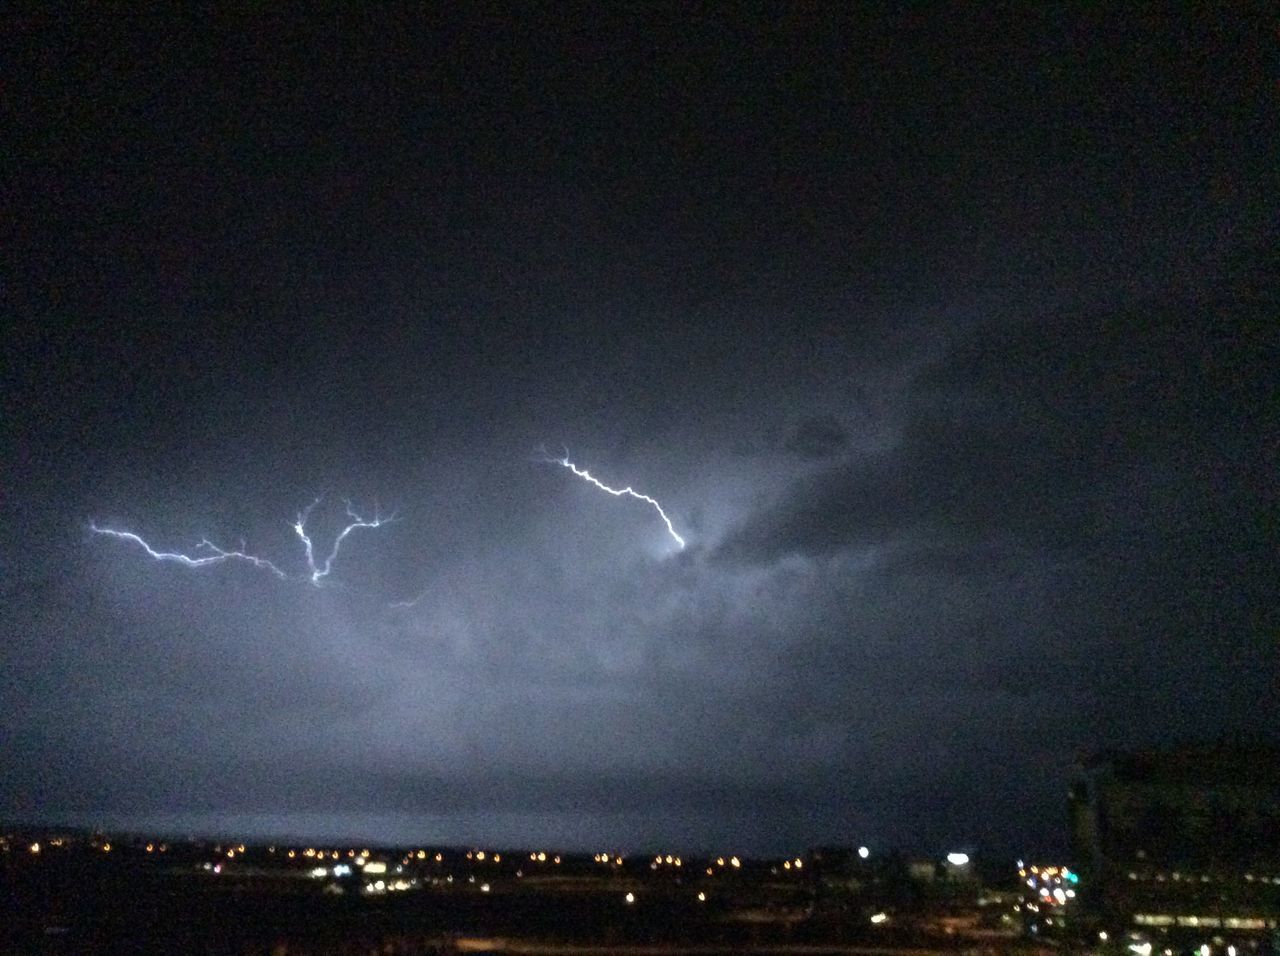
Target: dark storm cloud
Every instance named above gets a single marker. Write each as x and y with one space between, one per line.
1060 437
1063 503
948 478
816 438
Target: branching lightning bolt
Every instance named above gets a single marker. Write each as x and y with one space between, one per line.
217 555
618 493
320 572
207 553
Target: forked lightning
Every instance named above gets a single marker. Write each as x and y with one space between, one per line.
207 553
216 556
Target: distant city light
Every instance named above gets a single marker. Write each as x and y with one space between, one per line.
863 852
630 898
958 859
375 867
879 918
702 898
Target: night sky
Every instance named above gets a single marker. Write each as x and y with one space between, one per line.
949 345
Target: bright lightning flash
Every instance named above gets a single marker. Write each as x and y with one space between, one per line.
620 492
320 572
217 555
207 553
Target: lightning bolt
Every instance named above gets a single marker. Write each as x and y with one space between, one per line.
321 571
408 602
207 553
217 556
618 493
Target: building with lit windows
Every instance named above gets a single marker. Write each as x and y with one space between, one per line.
1182 845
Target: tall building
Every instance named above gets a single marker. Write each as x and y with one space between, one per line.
1182 844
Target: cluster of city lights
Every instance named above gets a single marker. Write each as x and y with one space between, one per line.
35 848
1049 885
732 862
1142 947
377 887
1204 921
1177 876
421 855
1046 889
312 852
